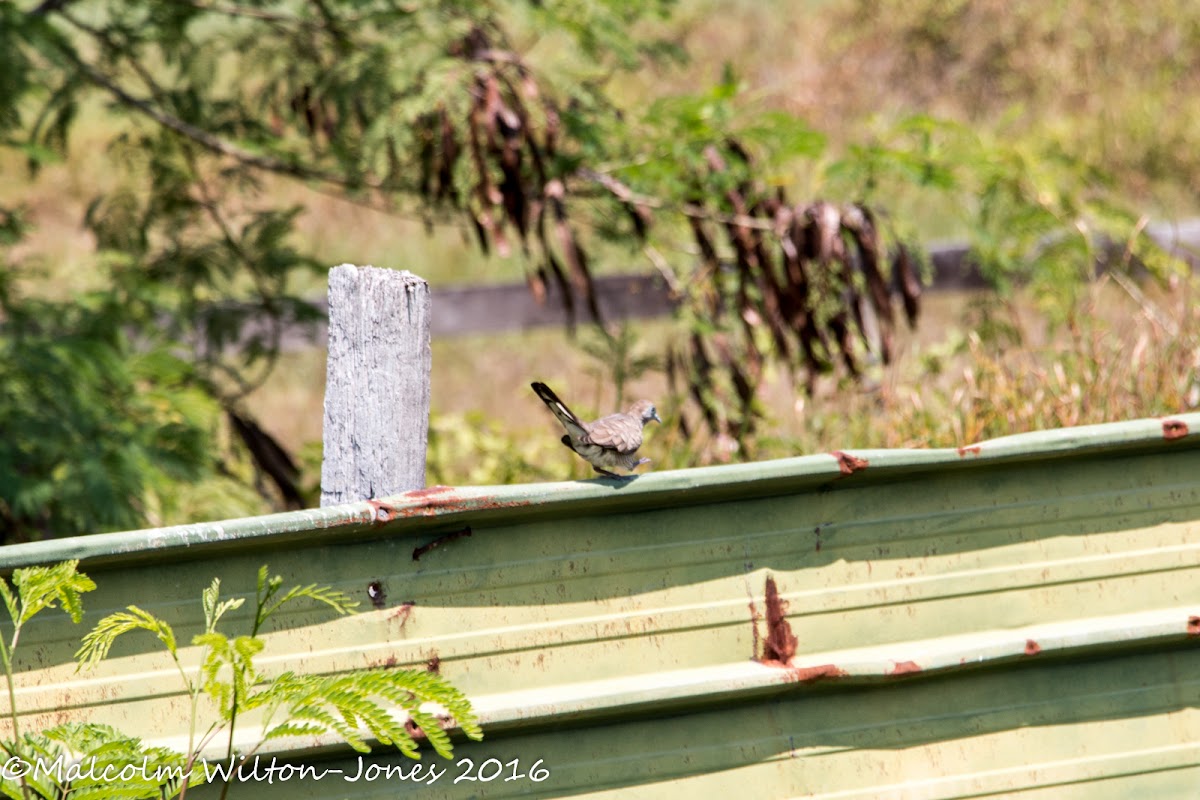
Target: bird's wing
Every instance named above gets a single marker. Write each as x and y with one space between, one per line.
621 432
574 426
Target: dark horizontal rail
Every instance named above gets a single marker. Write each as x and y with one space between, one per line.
495 308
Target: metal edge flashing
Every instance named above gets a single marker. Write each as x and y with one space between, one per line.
423 509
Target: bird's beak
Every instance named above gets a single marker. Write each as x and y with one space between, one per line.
657 418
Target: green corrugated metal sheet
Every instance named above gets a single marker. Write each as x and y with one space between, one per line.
1017 616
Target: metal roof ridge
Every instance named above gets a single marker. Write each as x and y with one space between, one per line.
444 504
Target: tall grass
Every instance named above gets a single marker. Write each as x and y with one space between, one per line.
1121 358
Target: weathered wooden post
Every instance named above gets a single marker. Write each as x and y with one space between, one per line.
377 384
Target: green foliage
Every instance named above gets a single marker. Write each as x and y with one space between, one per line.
37 588
266 602
97 761
1037 214
667 145
99 640
12 225
118 397
471 449
97 425
351 706
619 360
33 590
348 705
602 27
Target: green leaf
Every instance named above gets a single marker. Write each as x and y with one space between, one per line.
214 610
97 643
38 588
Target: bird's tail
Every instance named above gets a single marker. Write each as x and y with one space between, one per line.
564 414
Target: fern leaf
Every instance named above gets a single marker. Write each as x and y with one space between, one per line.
208 600
42 587
214 610
337 600
431 726
293 728
100 639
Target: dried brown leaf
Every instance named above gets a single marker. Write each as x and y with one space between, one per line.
700 381
425 158
551 131
824 233
564 288
573 253
448 158
536 280
904 278
845 342
859 222
481 232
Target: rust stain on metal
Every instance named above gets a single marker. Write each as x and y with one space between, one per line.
817 534
376 594
849 464
780 643
972 450
819 672
1174 429
382 512
428 491
438 542
1032 648
1193 628
755 638
445 499
402 613
388 663
905 668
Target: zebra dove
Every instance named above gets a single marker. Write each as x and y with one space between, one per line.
607 443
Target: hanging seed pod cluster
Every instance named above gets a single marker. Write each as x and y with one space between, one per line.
509 136
808 286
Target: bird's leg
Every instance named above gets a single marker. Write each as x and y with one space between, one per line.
603 471
642 461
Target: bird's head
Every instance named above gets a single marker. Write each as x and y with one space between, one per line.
644 410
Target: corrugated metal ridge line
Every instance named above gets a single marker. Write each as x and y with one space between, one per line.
426 508
662 693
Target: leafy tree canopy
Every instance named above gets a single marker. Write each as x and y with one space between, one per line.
502 116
